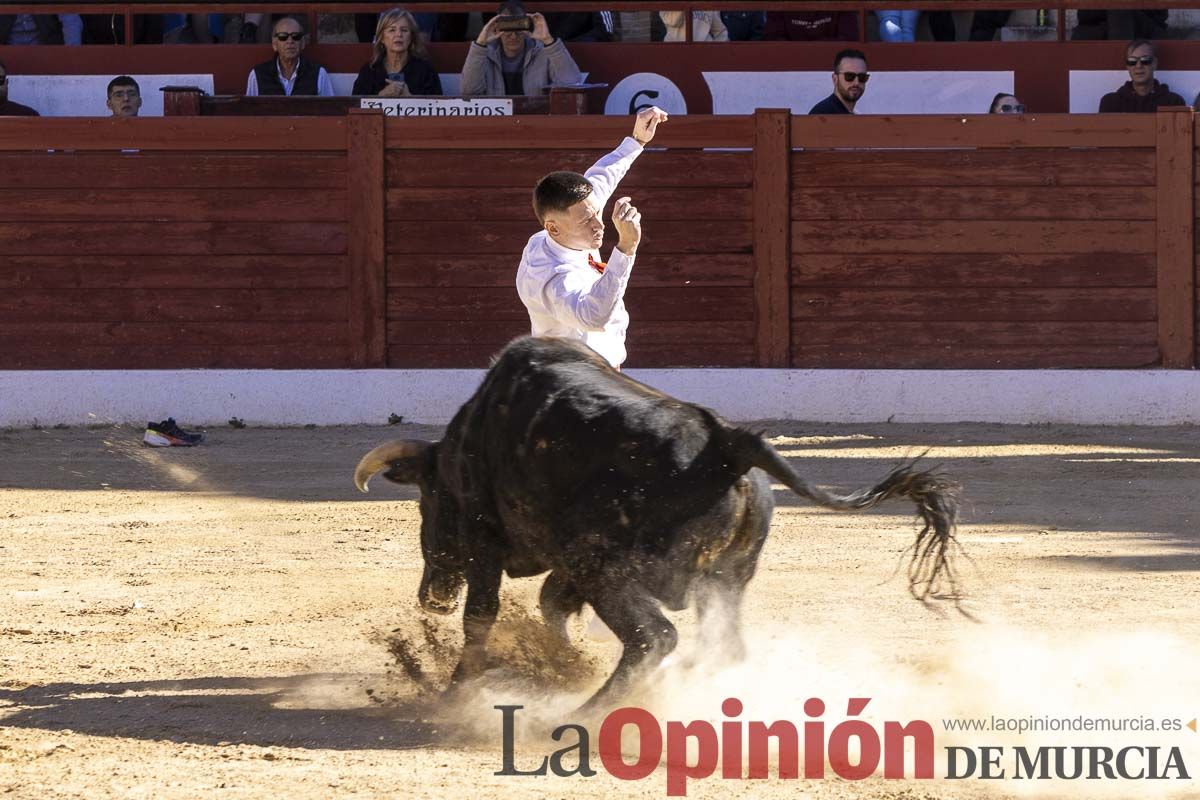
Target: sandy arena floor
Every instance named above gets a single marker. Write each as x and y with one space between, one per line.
216 621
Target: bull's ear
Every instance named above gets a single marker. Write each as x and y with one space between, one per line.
403 459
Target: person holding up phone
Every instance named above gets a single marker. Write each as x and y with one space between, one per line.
515 54
400 65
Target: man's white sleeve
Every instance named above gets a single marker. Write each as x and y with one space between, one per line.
606 173
252 85
588 306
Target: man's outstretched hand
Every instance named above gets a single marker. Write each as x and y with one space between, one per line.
647 123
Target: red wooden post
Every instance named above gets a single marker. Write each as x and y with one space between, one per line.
366 278
1175 155
772 236
566 100
181 101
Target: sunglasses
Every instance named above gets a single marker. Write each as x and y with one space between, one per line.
283 37
851 77
1008 108
1143 60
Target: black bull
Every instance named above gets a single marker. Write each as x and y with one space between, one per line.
629 497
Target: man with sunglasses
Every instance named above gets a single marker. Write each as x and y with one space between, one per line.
1142 93
849 82
7 107
287 73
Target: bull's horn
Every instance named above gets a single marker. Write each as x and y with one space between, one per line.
387 455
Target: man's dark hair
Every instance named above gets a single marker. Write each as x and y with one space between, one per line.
1136 43
512 8
558 191
122 80
848 53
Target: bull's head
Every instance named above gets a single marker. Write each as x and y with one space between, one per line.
412 461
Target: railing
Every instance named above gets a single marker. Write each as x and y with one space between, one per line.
312 9
771 240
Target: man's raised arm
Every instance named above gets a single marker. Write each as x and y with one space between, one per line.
606 173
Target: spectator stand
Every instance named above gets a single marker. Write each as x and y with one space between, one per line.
723 78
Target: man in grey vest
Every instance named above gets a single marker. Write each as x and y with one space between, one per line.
287 73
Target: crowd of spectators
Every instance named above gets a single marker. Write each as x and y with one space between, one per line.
521 53
575 26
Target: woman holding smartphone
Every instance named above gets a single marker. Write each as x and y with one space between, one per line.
400 65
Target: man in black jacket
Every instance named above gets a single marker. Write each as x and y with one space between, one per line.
1142 92
287 73
849 83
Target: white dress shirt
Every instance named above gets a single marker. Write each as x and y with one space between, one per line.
564 294
324 85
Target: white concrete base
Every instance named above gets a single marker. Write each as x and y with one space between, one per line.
348 397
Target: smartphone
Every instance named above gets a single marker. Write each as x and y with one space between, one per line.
509 23
398 77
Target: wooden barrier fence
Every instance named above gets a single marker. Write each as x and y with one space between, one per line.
771 240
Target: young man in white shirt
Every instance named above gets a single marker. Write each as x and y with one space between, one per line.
562 281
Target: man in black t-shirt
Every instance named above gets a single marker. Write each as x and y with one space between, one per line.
849 83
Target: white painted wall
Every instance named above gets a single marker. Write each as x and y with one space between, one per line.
342 397
938 92
85 95
733 92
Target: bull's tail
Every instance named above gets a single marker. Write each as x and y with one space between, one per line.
930 569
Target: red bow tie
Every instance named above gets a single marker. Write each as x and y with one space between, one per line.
599 266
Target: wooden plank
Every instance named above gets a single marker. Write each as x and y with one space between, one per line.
456 333
568 132
1176 238
181 305
174 272
1033 357
367 277
650 356
1048 305
65 336
1113 237
155 170
480 169
244 356
973 202
936 333
175 238
650 270
696 354
506 240
974 130
969 167
644 332
174 134
772 231
173 205
515 205
972 269
486 305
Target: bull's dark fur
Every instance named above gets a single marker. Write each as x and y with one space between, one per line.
628 497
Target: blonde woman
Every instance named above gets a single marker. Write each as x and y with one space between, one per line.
707 26
400 65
